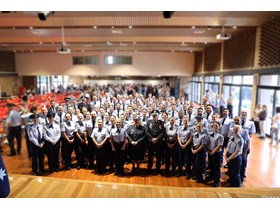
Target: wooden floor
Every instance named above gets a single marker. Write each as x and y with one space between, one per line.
263 179
26 186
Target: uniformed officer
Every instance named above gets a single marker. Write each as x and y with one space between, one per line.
214 147
43 119
199 138
179 121
251 129
184 149
170 141
27 123
118 140
59 118
90 123
35 134
246 142
225 123
136 135
67 130
233 157
52 134
155 132
80 142
13 128
99 137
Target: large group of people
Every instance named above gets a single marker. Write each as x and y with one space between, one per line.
104 131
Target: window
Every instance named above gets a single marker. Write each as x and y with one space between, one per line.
85 60
237 80
217 79
228 79
248 80
46 84
269 80
117 60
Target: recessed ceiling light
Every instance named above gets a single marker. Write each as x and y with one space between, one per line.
130 27
134 42
31 51
199 32
40 43
112 27
30 27
193 27
123 44
13 28
183 44
234 27
117 31
87 45
95 27
205 42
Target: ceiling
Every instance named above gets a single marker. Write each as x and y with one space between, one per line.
184 31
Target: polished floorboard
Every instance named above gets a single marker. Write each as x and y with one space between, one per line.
263 179
26 186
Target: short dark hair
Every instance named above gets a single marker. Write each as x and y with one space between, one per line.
278 109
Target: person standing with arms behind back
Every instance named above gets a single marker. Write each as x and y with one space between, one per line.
13 128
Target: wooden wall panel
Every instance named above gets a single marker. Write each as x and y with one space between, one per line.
239 51
212 57
198 62
270 42
7 62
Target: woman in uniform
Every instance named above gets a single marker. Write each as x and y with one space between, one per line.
68 129
184 149
52 134
136 140
35 134
99 138
80 142
199 138
170 146
233 157
214 146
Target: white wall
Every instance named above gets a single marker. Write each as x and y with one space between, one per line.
144 63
